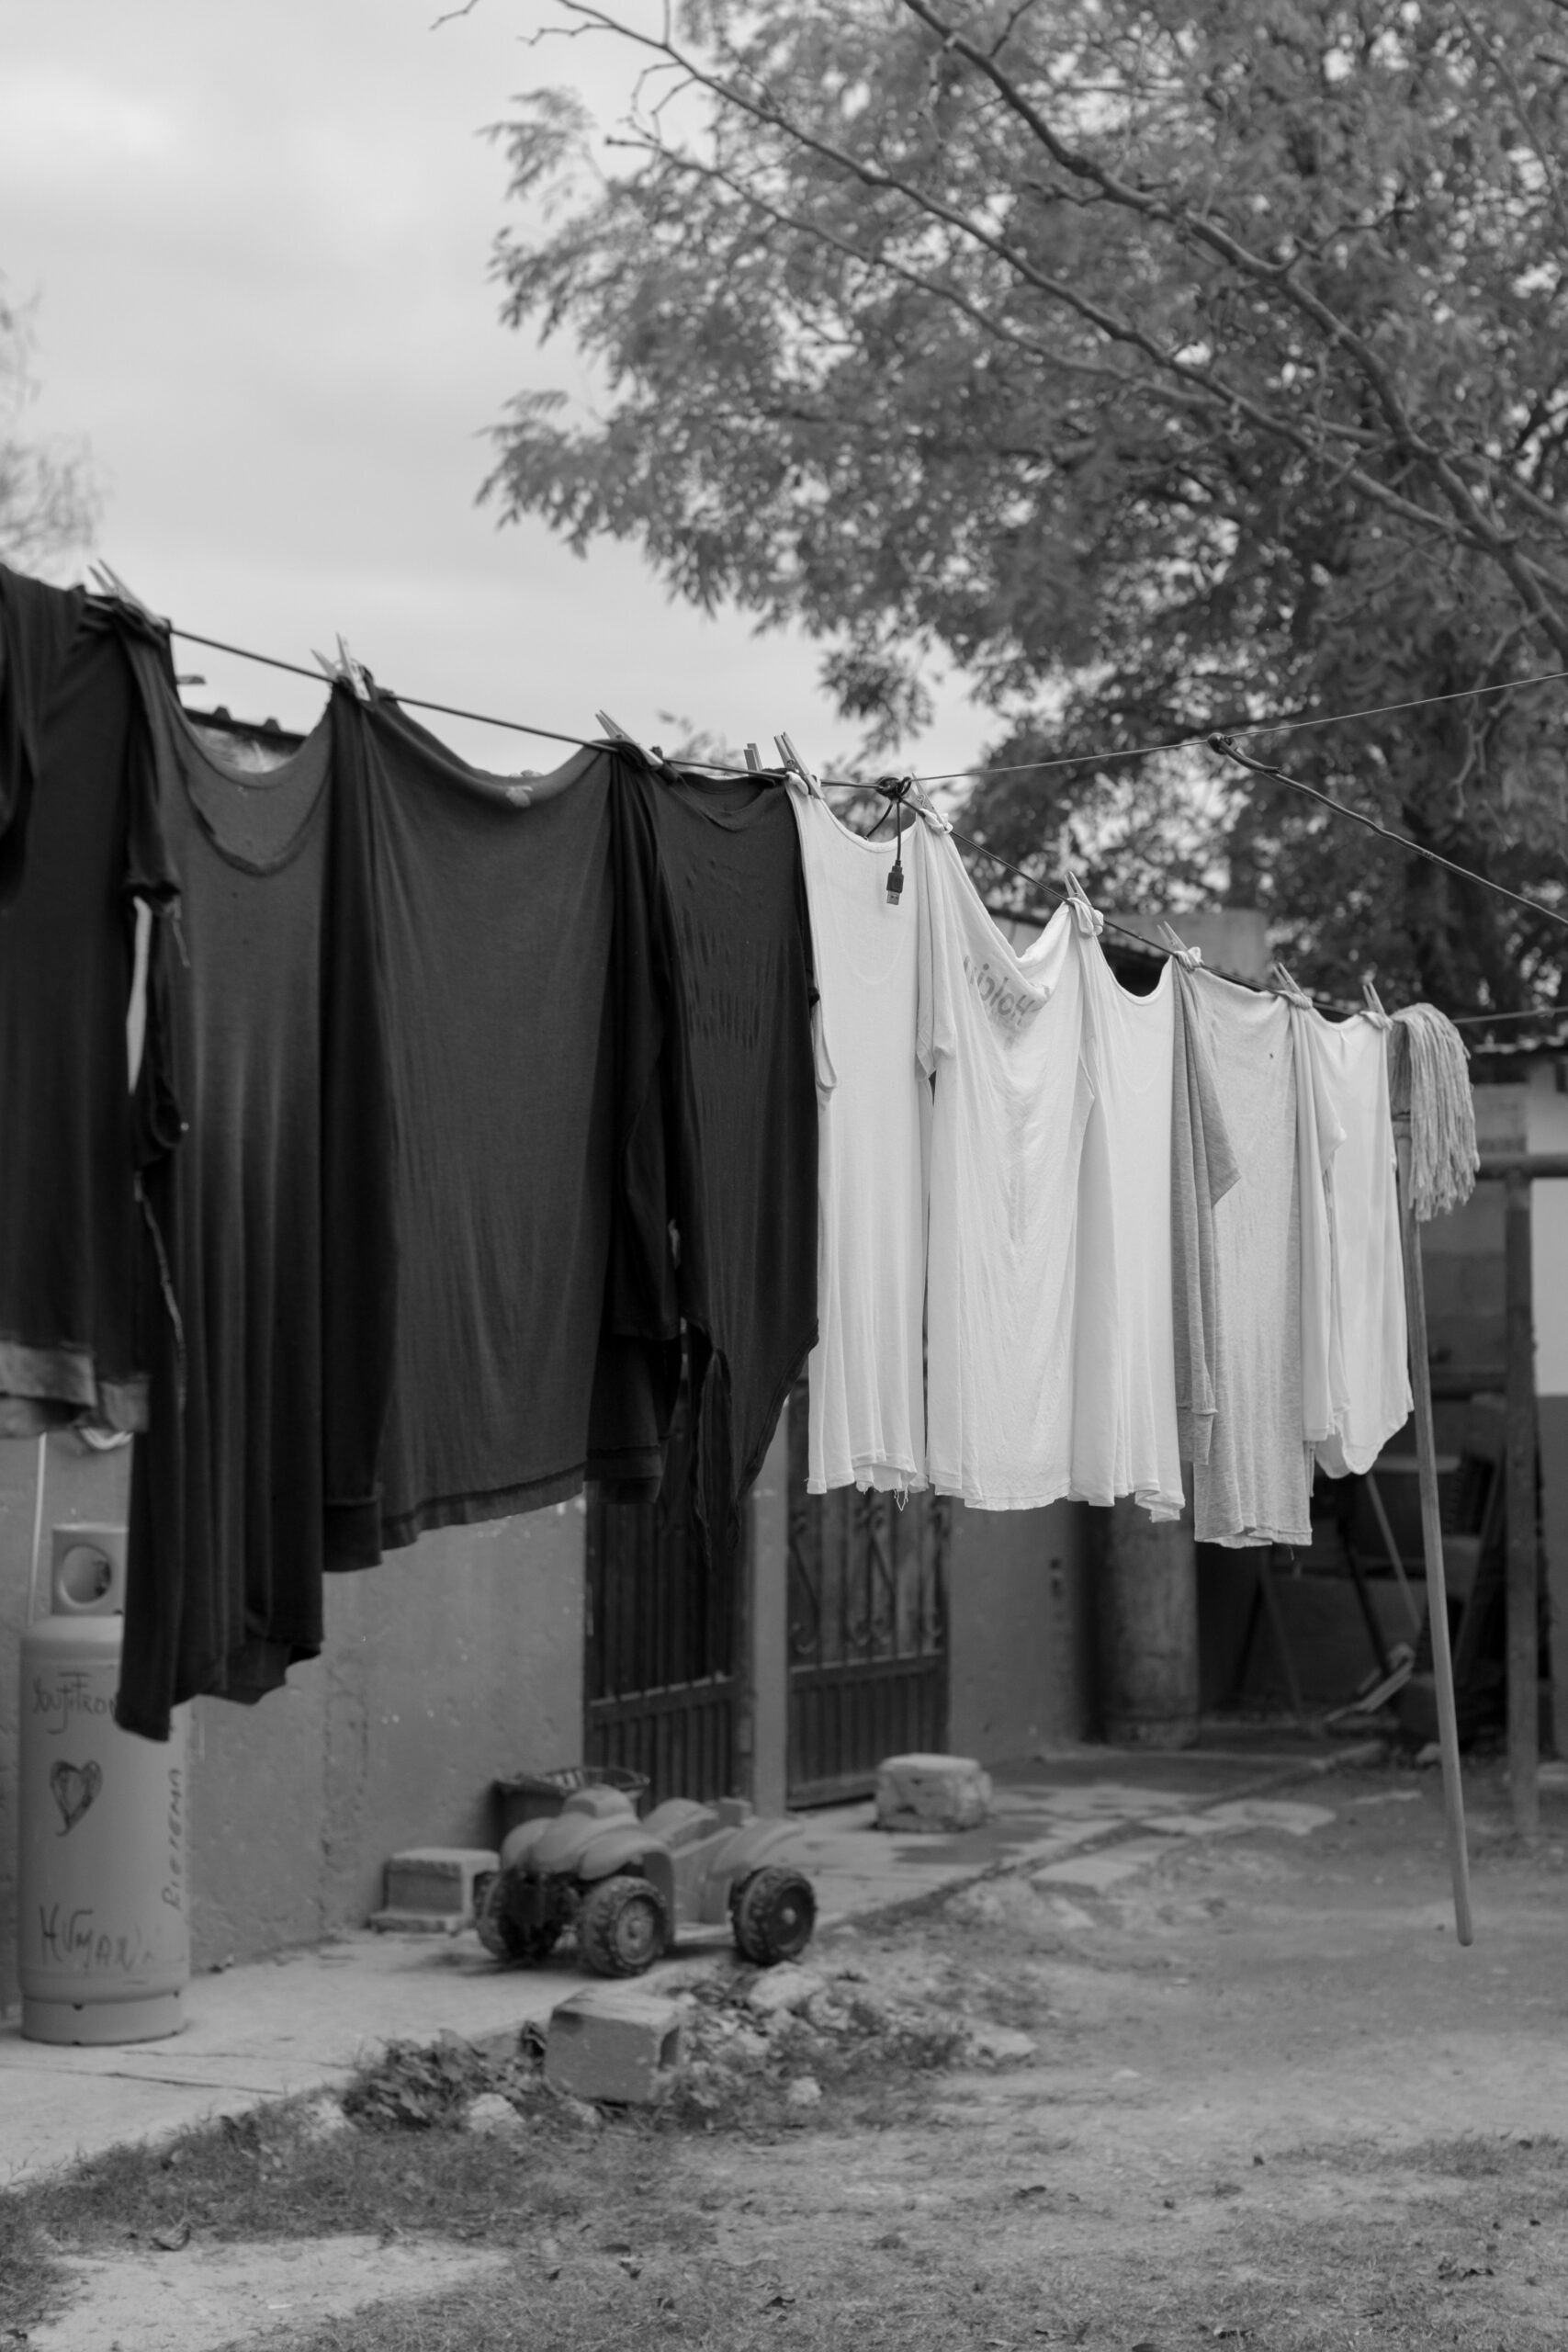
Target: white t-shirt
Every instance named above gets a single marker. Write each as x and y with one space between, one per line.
1002 1035
867 1410
1255 1486
1124 1422
1370 1368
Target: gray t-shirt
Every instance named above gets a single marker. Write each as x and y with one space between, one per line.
1255 1484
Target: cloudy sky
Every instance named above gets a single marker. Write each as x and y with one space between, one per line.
259 237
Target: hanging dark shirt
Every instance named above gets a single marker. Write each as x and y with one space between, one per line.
717 1214
494 912
78 841
262 1106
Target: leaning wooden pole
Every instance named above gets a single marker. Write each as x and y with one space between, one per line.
1431 1527
1524 1625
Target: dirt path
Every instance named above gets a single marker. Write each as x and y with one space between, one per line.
1270 2098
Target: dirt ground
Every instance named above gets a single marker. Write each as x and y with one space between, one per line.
1269 2101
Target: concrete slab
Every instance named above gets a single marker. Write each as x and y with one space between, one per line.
1096 1873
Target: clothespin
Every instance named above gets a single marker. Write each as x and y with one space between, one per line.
1188 957
921 800
1374 1006
753 759
618 734
1087 916
109 584
797 766
1283 985
347 668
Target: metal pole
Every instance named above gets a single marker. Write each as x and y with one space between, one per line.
1432 1539
1524 1629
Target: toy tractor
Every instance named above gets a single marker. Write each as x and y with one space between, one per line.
622 1885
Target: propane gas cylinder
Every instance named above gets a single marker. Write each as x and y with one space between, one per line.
102 1944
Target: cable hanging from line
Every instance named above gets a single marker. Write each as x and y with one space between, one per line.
1222 744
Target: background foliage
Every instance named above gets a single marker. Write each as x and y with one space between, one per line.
1163 366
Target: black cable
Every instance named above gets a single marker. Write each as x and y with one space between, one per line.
1226 747
1224 744
1263 727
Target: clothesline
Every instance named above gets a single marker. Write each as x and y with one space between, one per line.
1221 744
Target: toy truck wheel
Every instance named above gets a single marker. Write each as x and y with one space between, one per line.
772 1912
501 1935
623 1926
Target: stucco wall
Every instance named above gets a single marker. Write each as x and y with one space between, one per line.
1021 1631
450 1664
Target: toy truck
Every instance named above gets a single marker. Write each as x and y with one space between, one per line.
623 1885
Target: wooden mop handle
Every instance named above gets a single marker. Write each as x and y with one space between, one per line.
1432 1537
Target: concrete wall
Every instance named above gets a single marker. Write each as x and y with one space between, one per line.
451 1665
1021 1631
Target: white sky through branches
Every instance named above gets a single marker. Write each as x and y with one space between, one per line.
261 239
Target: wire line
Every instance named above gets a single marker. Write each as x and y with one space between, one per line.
1220 743
1262 727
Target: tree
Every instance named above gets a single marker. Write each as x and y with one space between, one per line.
47 504
1165 366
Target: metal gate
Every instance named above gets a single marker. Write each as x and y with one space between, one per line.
867 1629
661 1637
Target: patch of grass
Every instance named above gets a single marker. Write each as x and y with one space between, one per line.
1001 2272
29 2277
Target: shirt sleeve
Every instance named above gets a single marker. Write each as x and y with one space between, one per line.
38 626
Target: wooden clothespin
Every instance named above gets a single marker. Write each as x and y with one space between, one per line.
796 766
108 584
1190 957
1283 985
753 759
1088 917
618 734
921 800
347 668
1375 1005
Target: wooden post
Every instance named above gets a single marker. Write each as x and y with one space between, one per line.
1432 1532
1524 1625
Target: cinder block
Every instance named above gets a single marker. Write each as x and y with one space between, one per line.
613 2042
430 1889
937 1793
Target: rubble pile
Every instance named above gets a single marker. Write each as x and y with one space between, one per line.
757 2047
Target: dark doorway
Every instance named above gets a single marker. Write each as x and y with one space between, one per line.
661 1639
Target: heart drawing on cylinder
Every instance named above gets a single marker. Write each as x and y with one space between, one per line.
74 1787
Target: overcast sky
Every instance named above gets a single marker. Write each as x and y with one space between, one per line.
260 238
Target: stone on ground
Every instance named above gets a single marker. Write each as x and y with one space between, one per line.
1001 2044
491 2117
323 2118
613 2043
935 1793
784 1987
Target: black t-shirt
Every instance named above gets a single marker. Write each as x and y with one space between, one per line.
717 1209
494 913
78 841
262 1106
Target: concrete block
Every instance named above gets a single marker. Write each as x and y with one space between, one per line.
430 1889
613 2042
937 1793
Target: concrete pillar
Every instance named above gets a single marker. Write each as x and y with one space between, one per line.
1148 1604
